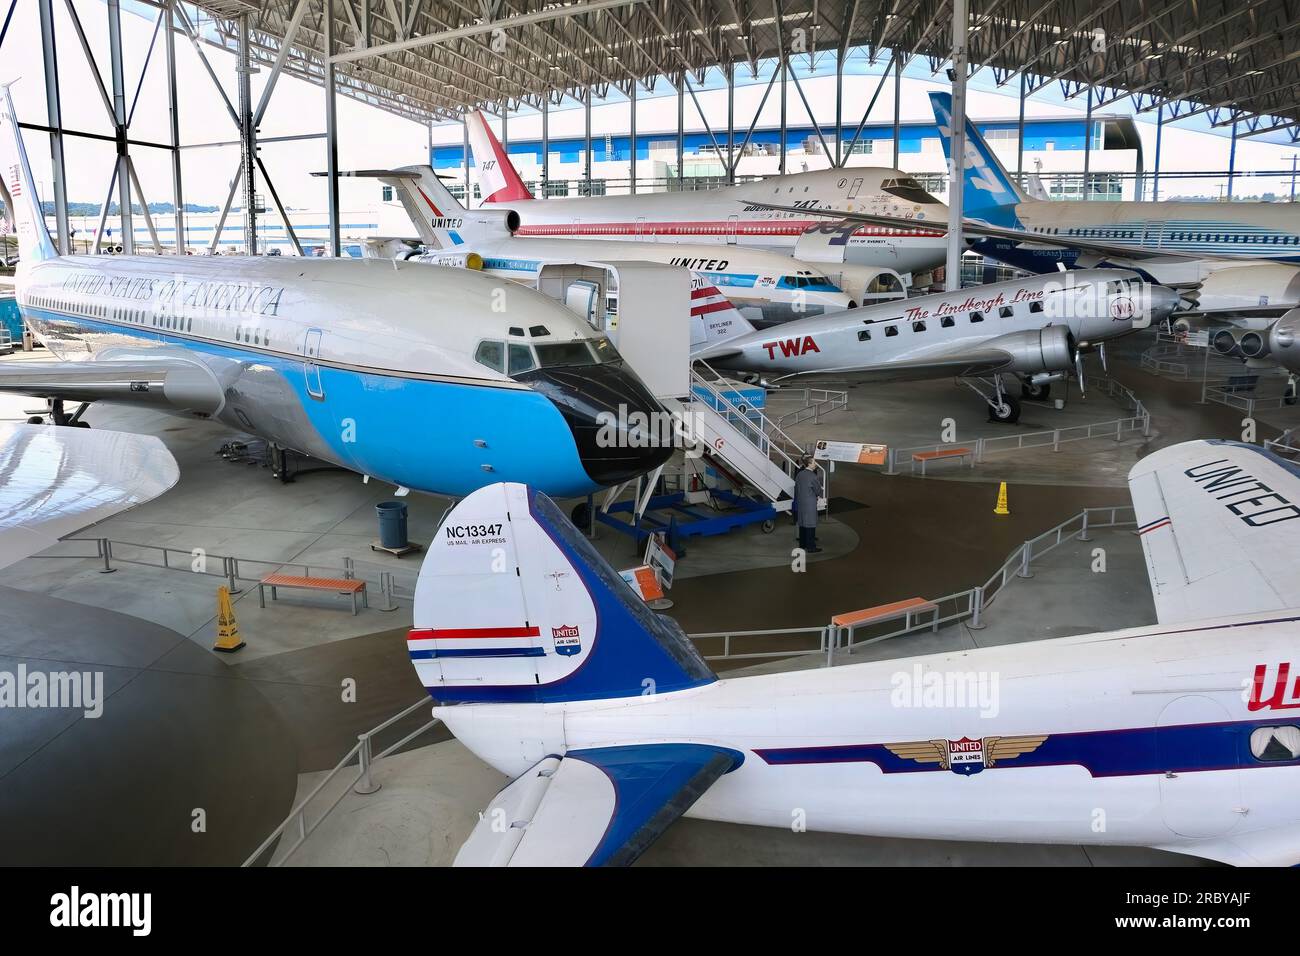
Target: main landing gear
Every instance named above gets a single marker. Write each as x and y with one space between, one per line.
1002 407
1035 391
58 416
1289 396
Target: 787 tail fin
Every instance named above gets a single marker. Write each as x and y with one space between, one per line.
990 192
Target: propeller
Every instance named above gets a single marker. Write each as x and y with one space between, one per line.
1101 352
1078 370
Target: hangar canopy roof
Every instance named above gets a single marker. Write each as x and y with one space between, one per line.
426 59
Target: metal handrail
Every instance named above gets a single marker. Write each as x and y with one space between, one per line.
361 750
812 408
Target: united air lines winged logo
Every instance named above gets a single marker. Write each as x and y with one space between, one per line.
966 756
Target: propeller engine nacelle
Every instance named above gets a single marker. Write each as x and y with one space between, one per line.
1049 349
1283 338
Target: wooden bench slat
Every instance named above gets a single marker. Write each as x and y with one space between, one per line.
317 584
941 453
881 612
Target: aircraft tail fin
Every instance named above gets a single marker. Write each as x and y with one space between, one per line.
713 318
990 193
497 177
514 605
437 215
34 242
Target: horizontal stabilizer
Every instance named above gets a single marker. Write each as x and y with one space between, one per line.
713 317
1220 528
58 480
597 807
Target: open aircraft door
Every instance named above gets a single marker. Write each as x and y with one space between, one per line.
310 368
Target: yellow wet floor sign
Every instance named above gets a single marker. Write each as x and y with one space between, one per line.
1002 508
227 627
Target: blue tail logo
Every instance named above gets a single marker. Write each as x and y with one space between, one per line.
990 194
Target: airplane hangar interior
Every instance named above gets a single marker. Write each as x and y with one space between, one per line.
746 433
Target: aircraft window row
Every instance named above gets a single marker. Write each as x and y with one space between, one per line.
798 282
1276 743
1006 312
976 317
947 322
175 323
253 336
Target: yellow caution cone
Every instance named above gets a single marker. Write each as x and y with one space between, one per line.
227 627
1002 508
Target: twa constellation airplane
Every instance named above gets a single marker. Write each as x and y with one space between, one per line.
1184 736
1034 328
405 373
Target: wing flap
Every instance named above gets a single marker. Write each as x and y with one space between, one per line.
1218 526
598 807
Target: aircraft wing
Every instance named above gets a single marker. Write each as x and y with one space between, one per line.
974 227
178 383
55 481
597 807
1220 529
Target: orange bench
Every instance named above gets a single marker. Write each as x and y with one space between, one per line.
348 586
938 455
850 621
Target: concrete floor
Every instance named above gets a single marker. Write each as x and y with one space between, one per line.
239 735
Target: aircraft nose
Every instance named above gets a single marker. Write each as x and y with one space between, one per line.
620 429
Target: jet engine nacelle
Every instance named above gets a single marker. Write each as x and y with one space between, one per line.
1225 342
490 223
1246 288
1048 349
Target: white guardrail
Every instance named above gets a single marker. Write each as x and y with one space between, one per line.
825 641
1116 428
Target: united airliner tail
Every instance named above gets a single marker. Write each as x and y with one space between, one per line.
990 193
713 318
497 177
515 605
34 242
437 215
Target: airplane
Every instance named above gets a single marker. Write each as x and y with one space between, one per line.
1277 343
403 373
766 287
1239 260
1182 736
732 216
1036 328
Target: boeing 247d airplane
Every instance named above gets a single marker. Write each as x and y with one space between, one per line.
394 370
733 216
766 287
1036 328
1183 736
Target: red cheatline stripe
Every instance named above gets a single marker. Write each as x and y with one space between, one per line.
435 209
469 633
1156 526
707 290
711 307
760 227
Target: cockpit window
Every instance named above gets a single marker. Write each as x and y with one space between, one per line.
567 353
538 330
907 188
604 349
491 354
521 359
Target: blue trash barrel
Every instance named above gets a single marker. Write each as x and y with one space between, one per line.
392 523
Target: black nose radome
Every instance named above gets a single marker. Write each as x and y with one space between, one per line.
620 429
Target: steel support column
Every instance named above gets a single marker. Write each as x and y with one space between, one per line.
1020 132
586 152
681 133
173 117
898 95
839 109
632 123
465 154
1232 159
247 137
1087 148
546 143
55 120
331 133
731 124
1155 173
120 124
956 208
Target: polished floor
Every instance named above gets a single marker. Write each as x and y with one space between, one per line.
234 737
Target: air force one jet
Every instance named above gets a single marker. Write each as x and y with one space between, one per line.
766 287
612 726
731 216
408 374
1036 328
